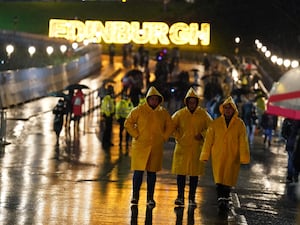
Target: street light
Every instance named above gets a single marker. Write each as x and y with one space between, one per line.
63 48
237 40
49 50
286 63
9 50
279 61
74 45
263 49
268 54
294 64
31 50
274 58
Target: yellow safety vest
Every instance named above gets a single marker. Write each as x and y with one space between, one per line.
108 105
123 108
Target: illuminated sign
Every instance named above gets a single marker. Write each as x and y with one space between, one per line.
121 32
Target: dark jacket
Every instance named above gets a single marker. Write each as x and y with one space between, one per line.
269 121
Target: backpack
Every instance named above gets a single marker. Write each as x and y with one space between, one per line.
286 128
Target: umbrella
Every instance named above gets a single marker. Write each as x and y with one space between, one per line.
134 73
136 77
76 86
284 98
58 94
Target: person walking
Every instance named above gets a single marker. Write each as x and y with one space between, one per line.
191 123
123 108
77 102
268 123
59 111
289 132
249 117
150 125
226 143
69 107
107 112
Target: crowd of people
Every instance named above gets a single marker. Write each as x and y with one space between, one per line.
150 125
221 127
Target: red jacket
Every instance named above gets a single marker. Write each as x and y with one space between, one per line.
77 101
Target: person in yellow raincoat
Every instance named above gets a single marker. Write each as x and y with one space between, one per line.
191 123
150 125
226 142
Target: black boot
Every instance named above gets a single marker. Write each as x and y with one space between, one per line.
151 180
180 188
135 198
192 191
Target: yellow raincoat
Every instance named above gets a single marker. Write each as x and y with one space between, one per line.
227 146
188 148
150 128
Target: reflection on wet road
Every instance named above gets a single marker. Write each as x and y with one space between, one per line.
80 183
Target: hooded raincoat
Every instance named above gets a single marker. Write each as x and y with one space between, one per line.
150 128
227 146
188 148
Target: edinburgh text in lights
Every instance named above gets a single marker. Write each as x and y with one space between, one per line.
121 32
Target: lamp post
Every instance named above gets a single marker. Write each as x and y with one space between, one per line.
237 41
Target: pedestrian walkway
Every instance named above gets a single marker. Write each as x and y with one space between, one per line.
80 183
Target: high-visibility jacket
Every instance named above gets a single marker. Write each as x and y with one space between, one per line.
142 100
123 108
108 106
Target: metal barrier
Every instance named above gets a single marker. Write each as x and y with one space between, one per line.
3 127
20 86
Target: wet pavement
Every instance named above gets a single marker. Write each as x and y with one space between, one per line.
79 183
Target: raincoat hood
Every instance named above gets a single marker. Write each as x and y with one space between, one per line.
191 94
230 101
153 91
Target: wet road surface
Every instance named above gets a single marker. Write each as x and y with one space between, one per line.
81 183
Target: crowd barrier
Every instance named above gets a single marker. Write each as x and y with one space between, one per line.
20 86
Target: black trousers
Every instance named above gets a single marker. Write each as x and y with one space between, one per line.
223 191
127 138
137 182
181 180
106 141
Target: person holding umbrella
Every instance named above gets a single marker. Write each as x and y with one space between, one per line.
77 102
